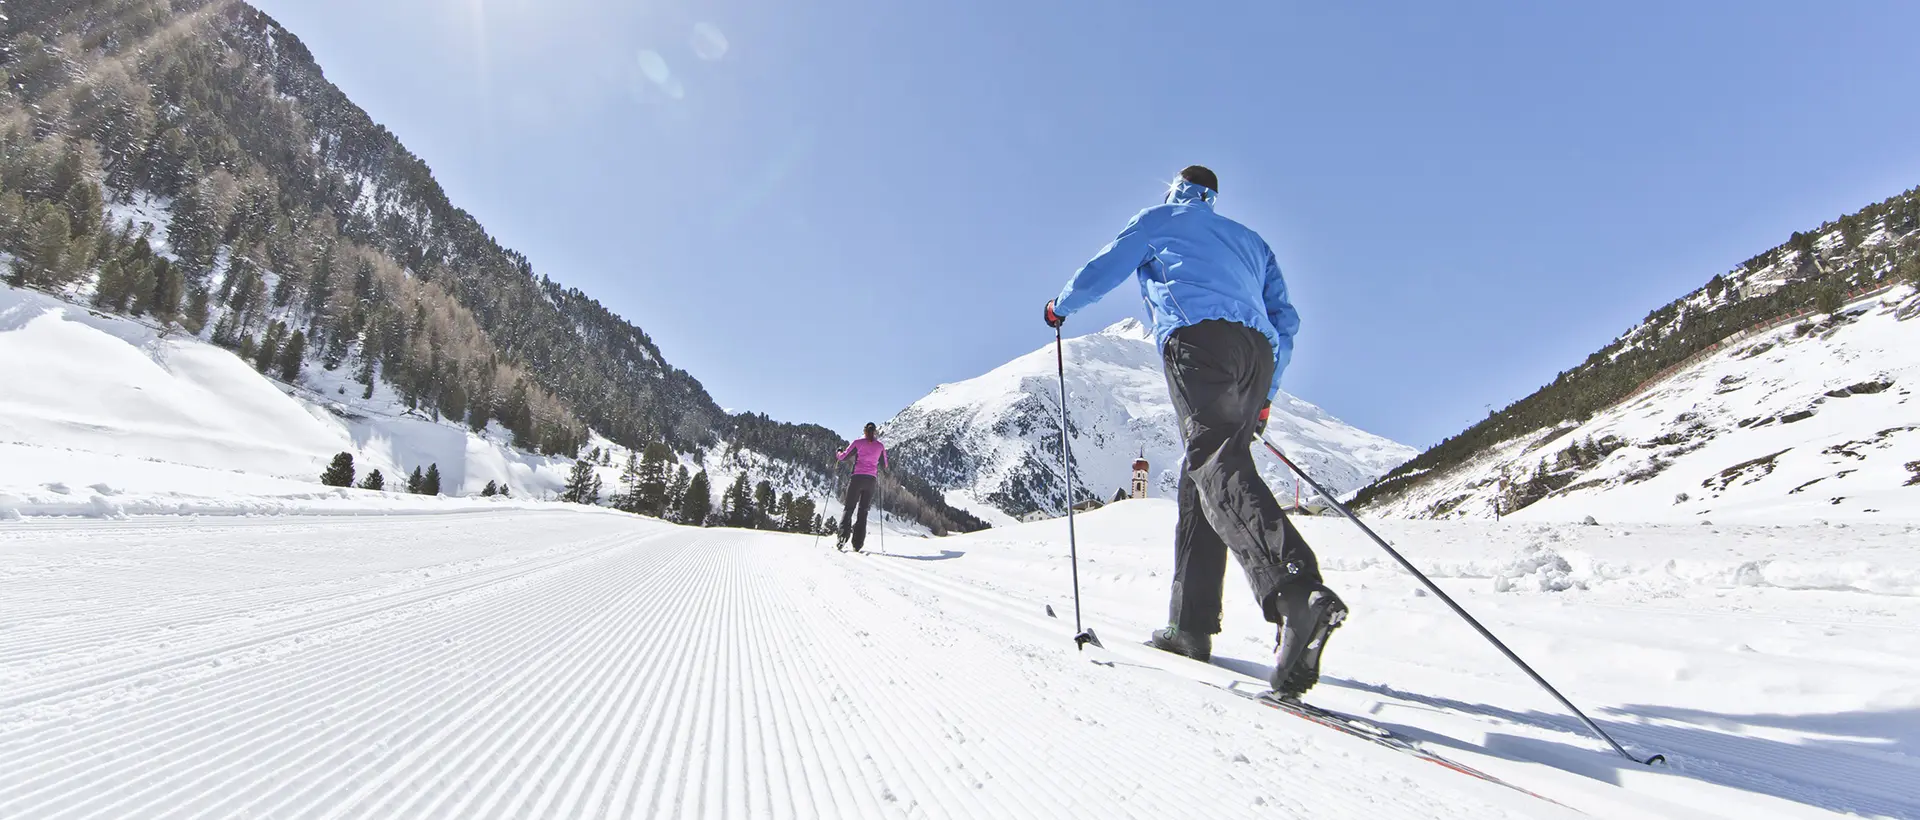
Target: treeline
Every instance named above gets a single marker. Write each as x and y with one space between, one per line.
1816 274
289 211
651 484
340 473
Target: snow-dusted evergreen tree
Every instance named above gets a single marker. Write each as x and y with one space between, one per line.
431 484
374 481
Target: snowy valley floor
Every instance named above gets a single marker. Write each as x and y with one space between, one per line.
546 663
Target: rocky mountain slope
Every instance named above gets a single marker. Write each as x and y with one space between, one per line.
992 442
1778 390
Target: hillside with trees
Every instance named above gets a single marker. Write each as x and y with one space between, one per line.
1813 271
187 162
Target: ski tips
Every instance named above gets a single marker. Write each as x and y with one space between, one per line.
1050 611
1656 760
1081 640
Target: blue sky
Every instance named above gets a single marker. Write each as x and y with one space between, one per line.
824 209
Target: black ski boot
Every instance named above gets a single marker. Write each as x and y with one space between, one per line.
1191 644
841 542
1309 613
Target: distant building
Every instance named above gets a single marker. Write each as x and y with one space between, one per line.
1140 478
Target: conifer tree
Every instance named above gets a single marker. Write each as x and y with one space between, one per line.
374 481
697 503
629 497
737 507
1829 300
765 511
417 481
677 491
800 515
579 483
339 473
268 354
292 357
490 490
653 479
431 484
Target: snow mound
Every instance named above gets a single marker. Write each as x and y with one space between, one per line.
1535 568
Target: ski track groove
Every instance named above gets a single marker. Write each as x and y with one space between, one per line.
648 672
398 659
203 714
306 623
484 742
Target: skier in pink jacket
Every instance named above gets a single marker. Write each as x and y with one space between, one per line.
869 455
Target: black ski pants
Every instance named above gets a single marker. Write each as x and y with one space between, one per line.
1218 373
859 494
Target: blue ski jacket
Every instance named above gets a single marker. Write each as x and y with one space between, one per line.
1193 265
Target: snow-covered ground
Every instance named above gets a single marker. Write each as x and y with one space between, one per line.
166 419
568 664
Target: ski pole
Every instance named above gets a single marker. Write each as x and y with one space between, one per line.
833 474
883 515
1457 610
1081 637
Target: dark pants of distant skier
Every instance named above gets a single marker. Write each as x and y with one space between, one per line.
859 494
1218 373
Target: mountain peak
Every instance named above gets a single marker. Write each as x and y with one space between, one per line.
1129 328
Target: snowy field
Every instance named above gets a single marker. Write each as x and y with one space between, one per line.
551 663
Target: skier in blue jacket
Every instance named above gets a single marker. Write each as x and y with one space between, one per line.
1225 331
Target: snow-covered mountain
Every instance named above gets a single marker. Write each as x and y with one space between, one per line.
992 442
1811 419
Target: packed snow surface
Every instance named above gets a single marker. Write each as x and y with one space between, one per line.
555 663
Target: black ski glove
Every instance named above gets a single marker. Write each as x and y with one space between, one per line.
1260 421
1054 320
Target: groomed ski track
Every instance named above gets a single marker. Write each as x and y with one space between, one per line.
557 665
576 664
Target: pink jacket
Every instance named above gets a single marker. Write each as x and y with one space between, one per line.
869 455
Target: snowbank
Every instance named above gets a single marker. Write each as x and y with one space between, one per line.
97 399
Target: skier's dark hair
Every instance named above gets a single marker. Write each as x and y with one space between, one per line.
1200 175
872 429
